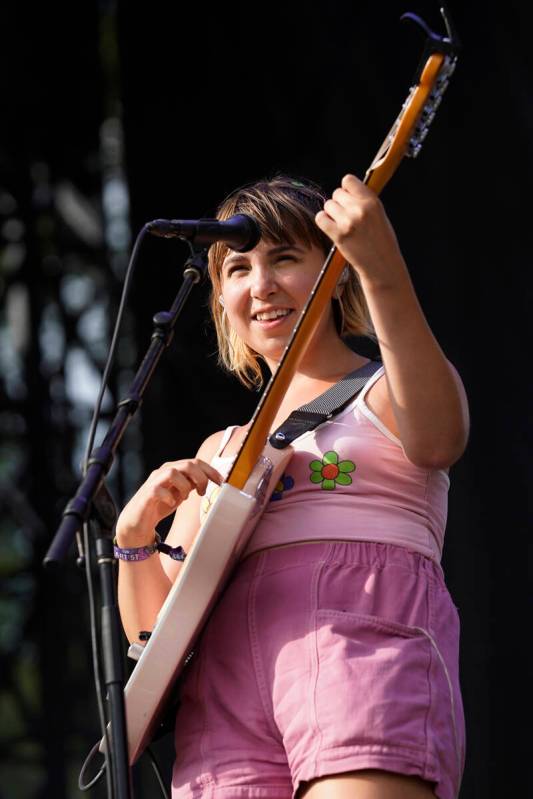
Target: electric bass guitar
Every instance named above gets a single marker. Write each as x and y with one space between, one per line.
258 466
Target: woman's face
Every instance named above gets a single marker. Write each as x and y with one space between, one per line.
264 291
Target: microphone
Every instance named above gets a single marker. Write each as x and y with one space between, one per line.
240 232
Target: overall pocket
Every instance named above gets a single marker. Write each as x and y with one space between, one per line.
373 682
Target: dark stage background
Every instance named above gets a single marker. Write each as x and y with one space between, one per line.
115 115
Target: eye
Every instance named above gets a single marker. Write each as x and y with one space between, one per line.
286 257
236 268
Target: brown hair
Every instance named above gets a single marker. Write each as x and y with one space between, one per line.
285 209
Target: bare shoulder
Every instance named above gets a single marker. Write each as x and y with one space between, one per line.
212 444
209 446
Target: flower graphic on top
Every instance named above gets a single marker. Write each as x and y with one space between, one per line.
285 483
331 472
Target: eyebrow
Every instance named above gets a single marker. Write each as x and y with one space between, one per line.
279 248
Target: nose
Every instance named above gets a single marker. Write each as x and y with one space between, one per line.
263 281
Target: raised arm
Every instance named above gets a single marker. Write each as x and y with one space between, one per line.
176 486
423 399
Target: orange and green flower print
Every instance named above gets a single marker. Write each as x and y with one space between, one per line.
331 472
285 483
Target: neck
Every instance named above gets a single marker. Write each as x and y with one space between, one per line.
326 359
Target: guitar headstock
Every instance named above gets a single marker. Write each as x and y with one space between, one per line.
411 127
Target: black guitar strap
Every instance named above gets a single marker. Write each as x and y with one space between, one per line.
333 400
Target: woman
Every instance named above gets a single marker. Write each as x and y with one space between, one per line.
330 666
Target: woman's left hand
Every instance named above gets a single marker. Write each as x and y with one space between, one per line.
356 222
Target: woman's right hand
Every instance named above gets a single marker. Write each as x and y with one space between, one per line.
158 497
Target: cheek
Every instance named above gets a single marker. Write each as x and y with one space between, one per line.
236 304
300 286
235 296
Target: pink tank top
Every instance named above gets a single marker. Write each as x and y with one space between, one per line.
349 479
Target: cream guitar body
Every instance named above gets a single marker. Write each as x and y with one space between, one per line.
206 569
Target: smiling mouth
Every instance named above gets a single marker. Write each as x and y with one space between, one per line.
272 316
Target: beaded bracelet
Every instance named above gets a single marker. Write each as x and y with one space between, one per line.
142 553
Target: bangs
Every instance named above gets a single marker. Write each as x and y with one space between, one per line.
284 209
280 219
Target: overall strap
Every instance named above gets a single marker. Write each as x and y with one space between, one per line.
333 400
224 440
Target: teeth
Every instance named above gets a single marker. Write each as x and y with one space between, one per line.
263 317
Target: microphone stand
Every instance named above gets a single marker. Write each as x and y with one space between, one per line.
93 504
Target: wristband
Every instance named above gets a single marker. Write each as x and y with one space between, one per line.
142 553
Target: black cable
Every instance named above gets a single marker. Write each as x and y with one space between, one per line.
155 767
85 786
112 348
85 549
